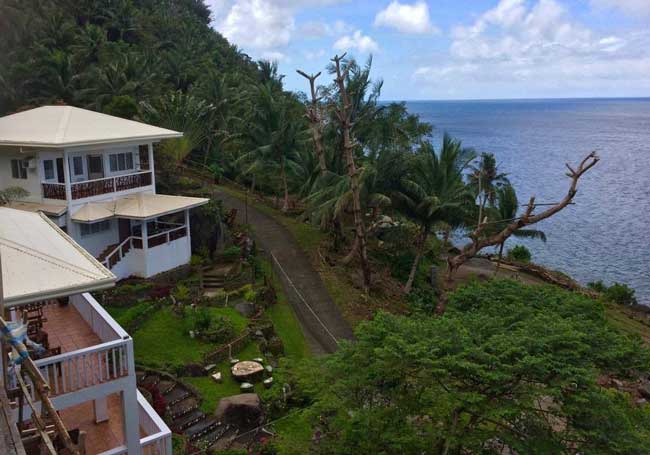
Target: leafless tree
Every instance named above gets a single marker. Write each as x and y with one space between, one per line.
344 116
479 241
313 114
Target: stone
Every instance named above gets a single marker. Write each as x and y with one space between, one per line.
194 370
268 383
246 309
234 361
268 370
217 377
259 360
617 383
259 334
641 402
246 387
276 347
209 367
644 390
247 371
243 410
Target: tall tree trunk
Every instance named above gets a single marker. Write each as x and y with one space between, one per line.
496 270
285 187
354 251
419 247
344 113
315 122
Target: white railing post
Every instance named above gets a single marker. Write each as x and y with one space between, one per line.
130 406
151 167
66 175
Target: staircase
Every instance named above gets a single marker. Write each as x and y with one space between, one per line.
108 250
213 279
185 416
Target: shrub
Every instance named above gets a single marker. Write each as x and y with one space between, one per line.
181 293
231 253
209 327
621 294
597 286
519 253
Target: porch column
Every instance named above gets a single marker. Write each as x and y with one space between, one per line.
130 408
100 406
151 167
66 174
145 247
187 228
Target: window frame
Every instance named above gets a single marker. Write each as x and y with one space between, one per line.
18 171
51 170
77 160
90 229
121 162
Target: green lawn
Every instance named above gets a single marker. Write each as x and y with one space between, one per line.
284 319
294 434
163 339
213 392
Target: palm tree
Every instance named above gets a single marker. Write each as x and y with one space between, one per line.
275 136
485 178
435 192
506 210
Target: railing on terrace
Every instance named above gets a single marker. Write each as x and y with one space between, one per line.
158 439
54 191
75 370
97 187
159 237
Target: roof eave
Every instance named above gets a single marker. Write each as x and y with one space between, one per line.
24 299
158 137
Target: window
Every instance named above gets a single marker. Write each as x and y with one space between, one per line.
121 161
77 165
18 169
48 168
95 228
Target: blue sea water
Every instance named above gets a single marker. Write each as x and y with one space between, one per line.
606 234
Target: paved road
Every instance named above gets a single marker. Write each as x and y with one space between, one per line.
321 321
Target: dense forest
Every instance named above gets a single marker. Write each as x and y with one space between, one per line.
489 368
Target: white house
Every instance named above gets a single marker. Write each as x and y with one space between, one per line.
93 175
90 364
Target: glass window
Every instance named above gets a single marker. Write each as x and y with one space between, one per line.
77 165
121 161
48 167
95 228
18 169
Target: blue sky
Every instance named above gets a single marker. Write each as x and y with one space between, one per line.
455 49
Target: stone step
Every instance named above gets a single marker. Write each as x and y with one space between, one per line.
150 381
200 428
183 407
208 439
165 386
189 419
225 440
176 395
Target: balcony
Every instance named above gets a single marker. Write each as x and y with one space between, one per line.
98 187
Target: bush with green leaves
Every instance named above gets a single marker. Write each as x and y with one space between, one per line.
209 327
621 294
506 365
231 253
519 253
597 286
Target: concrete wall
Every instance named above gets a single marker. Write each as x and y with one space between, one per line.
94 243
33 182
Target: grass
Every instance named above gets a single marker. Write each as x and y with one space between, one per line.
284 319
211 391
163 339
293 434
622 321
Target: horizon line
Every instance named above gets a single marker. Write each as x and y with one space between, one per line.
516 99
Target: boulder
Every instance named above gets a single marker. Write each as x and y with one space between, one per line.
247 371
217 377
644 390
244 308
275 346
243 410
194 370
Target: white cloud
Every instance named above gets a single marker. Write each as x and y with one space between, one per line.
260 26
406 18
357 41
316 29
314 55
536 47
634 8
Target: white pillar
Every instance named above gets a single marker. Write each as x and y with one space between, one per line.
100 407
66 174
130 407
187 228
151 167
145 247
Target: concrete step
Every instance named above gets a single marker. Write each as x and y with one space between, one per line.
213 436
183 407
166 386
189 419
176 395
201 428
225 440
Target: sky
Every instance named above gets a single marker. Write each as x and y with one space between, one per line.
454 49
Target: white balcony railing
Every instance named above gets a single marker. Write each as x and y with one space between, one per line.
86 367
97 187
158 436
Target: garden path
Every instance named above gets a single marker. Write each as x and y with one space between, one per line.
320 318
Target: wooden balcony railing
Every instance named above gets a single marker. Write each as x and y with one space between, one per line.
54 191
110 185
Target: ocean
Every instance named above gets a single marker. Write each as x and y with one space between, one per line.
606 234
